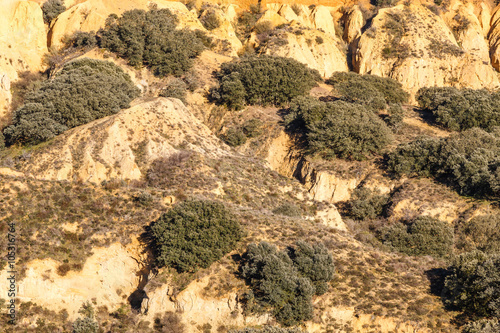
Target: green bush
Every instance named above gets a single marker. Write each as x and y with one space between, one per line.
252 128
176 88
482 326
2 141
263 80
51 9
480 233
151 39
368 89
81 39
288 209
422 236
84 90
469 161
234 136
473 285
461 109
170 322
367 204
210 20
374 92
87 323
283 284
194 234
338 129
313 262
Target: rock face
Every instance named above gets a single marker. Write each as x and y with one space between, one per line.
309 37
108 275
117 146
416 47
23 42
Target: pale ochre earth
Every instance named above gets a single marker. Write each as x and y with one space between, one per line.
98 167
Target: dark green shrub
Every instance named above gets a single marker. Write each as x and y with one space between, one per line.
480 233
417 158
81 39
51 9
87 323
27 83
246 21
194 234
252 128
315 263
176 88
2 141
338 129
368 88
461 109
473 285
84 90
281 286
469 161
234 136
263 80
151 39
210 20
382 3
482 326
319 40
422 236
367 204
288 209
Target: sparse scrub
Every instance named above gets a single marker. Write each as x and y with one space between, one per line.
288 209
194 234
263 80
338 129
151 39
267 329
210 19
170 322
84 90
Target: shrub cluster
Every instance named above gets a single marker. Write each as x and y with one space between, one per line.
151 39
264 80
175 88
338 128
469 161
473 285
422 236
51 9
194 234
374 92
482 326
461 109
87 323
367 204
479 233
84 90
285 281
238 135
